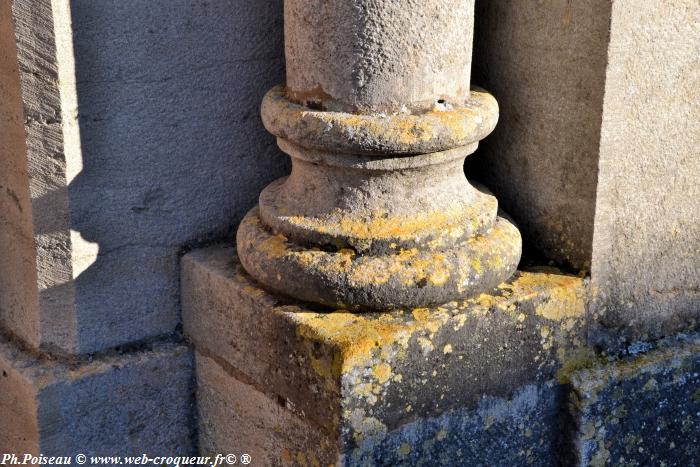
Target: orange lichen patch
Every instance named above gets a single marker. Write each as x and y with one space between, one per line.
274 246
382 226
382 372
565 295
254 291
461 124
356 338
430 318
408 267
285 455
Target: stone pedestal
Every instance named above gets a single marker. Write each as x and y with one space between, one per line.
507 378
290 382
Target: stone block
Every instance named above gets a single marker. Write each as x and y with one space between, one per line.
116 404
646 247
595 156
640 411
363 376
129 155
235 418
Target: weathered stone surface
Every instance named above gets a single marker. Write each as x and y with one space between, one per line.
646 247
131 155
641 411
524 429
378 56
544 61
362 376
121 404
235 417
19 299
405 278
378 139
436 130
599 103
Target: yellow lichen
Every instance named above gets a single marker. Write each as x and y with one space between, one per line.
274 246
382 372
382 225
563 295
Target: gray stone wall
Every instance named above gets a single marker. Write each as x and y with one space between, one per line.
596 152
646 247
129 132
143 138
544 61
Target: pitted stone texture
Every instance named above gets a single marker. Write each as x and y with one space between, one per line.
121 404
110 217
524 429
389 189
379 55
443 127
19 298
387 79
361 376
642 411
403 230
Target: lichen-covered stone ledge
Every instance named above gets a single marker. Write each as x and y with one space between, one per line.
118 404
644 410
524 429
360 377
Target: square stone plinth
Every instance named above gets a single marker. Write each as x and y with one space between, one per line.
369 386
643 410
133 403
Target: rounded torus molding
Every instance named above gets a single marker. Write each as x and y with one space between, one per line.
443 127
409 278
376 205
378 114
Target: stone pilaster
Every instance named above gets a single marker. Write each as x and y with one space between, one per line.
378 117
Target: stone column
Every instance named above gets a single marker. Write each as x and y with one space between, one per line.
378 117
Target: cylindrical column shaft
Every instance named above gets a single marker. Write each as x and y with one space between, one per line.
379 55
